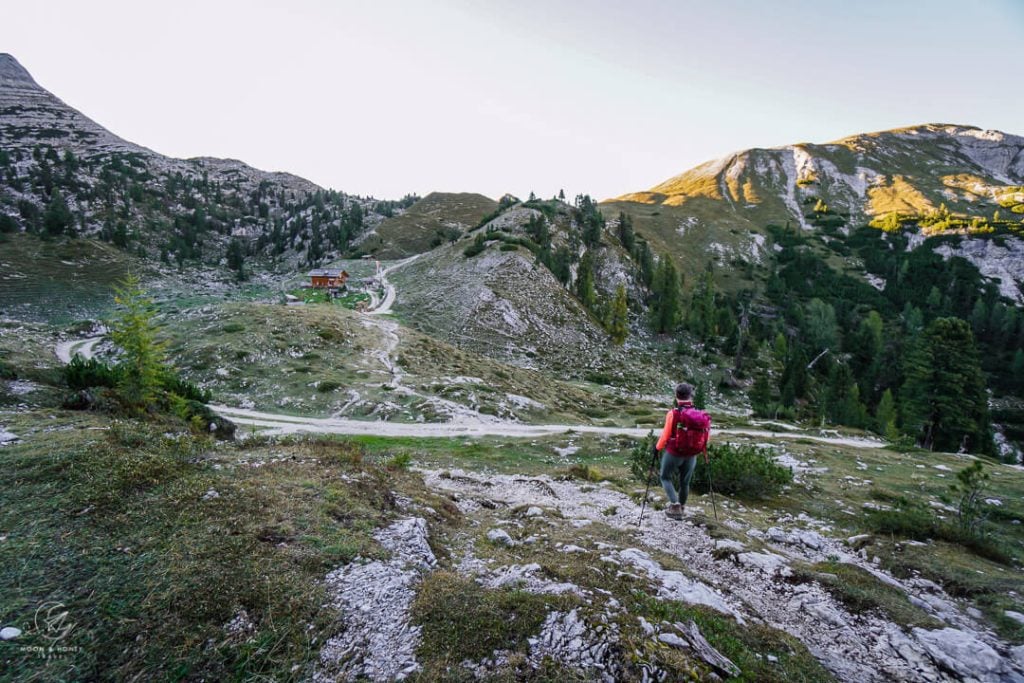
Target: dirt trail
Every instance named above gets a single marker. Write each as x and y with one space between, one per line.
389 289
470 425
76 347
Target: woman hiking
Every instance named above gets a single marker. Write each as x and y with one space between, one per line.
684 437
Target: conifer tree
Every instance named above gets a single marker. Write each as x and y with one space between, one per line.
944 399
761 397
585 281
57 218
665 302
885 416
618 319
560 264
134 330
236 258
626 235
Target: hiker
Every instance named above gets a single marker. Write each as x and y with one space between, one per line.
684 437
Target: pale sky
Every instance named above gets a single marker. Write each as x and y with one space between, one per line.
387 97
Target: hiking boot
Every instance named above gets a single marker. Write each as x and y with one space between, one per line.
674 511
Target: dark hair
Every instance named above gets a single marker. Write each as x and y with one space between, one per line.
684 392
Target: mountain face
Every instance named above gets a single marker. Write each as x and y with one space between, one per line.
927 180
909 171
62 173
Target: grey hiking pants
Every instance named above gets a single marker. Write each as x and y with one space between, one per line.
670 464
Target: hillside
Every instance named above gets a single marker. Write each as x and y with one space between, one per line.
430 222
439 472
63 174
933 179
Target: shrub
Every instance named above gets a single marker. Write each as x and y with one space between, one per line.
585 473
328 386
399 461
478 245
640 459
916 522
741 471
174 384
85 374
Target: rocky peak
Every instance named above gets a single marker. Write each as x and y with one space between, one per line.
13 74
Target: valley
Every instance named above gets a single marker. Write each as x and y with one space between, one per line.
437 471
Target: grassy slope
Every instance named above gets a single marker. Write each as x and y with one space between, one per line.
113 520
415 230
73 277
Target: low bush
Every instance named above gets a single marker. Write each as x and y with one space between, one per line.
585 473
916 522
174 384
477 247
328 386
399 461
742 471
87 374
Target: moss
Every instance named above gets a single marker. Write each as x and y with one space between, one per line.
863 592
449 608
745 646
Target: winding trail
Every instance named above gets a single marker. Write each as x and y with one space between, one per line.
85 348
389 289
468 426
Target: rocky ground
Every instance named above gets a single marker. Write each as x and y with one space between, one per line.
520 529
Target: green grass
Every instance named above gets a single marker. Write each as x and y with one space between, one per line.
461 620
863 592
746 647
118 526
74 278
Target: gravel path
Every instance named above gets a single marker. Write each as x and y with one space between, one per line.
76 347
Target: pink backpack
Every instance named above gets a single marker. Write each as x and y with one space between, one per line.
690 432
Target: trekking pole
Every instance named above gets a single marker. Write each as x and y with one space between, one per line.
654 456
711 487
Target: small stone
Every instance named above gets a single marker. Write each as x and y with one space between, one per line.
534 512
1016 616
771 658
9 633
211 494
673 640
501 537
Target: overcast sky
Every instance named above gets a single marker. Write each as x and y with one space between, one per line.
384 98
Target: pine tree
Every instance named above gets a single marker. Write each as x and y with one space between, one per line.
626 236
944 399
822 330
885 416
134 330
761 397
645 259
618 320
560 264
236 258
1017 369
665 302
780 349
700 396
585 281
57 218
